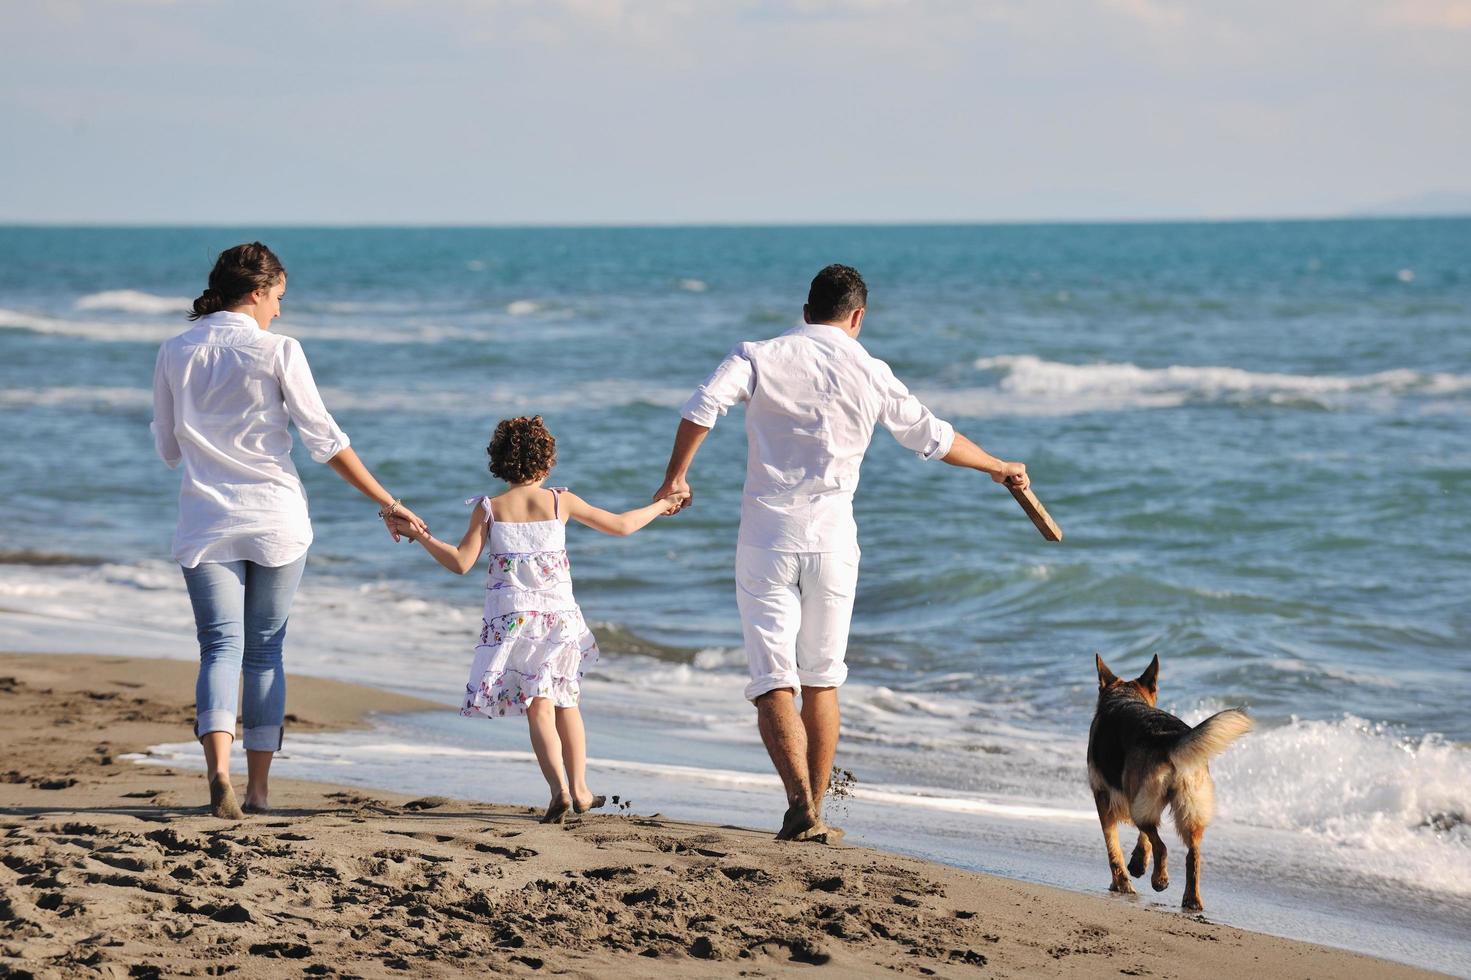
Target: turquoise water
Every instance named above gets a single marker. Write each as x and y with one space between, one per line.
1254 435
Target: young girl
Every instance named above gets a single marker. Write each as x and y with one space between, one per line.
534 645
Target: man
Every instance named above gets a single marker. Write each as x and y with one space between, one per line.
814 398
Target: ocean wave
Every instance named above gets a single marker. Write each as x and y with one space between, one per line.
133 301
103 330
606 394
603 394
1031 385
1379 801
65 395
26 556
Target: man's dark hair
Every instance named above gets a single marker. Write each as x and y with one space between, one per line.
836 292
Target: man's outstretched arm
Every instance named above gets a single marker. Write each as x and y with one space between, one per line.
687 441
965 453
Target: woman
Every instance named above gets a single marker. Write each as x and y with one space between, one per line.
223 392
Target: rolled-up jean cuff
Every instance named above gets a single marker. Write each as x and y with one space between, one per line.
214 720
266 738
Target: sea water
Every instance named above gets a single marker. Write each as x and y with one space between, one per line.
1254 436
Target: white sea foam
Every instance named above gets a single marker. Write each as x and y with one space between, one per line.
133 301
1370 798
612 393
99 397
693 285
522 307
89 329
1030 385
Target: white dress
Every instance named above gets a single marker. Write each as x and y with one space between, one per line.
533 640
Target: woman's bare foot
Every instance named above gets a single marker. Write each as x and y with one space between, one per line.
222 801
557 809
800 822
588 802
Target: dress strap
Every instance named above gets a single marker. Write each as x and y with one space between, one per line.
557 501
483 503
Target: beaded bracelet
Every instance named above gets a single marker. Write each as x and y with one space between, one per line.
391 509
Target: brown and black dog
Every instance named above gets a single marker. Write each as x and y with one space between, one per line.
1142 759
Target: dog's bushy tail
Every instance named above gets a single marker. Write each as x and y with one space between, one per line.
1209 738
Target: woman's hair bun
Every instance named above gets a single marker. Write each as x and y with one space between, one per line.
238 272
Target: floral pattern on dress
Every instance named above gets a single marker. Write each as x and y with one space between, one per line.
502 628
545 562
510 691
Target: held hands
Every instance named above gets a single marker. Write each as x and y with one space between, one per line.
1012 475
674 502
403 523
401 527
677 490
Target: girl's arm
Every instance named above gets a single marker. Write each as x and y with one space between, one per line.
458 560
618 525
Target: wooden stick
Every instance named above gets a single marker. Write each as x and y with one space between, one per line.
1037 513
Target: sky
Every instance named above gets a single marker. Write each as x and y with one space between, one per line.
728 111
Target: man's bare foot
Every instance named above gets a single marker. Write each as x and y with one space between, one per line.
222 801
824 833
799 822
591 803
255 802
557 810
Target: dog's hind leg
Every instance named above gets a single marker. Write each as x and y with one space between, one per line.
1193 803
1139 861
1108 817
1160 880
1191 901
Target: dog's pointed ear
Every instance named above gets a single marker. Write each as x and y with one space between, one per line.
1150 677
1105 676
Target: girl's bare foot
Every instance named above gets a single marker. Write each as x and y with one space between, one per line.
222 801
557 809
589 803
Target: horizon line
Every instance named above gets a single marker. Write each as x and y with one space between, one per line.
669 225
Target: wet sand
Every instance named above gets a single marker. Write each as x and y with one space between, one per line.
115 869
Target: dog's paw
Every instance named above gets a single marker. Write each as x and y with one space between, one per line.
1159 882
1192 905
1122 886
1138 864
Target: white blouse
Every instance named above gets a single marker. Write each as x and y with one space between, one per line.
223 392
815 396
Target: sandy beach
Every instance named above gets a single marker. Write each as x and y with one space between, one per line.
113 869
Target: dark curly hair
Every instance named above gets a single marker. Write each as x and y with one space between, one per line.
521 450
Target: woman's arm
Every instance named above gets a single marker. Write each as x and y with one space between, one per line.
622 524
347 465
164 441
458 560
324 440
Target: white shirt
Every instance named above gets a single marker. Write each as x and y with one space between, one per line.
815 395
223 391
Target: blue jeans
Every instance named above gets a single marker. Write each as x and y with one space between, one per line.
240 611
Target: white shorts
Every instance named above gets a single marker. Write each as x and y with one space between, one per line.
795 611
